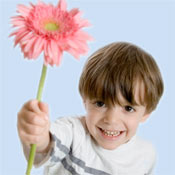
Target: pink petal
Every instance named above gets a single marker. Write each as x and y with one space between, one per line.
22 29
83 36
24 10
74 12
40 3
60 54
20 18
54 48
78 15
38 47
18 23
28 46
46 60
25 55
81 51
72 44
78 47
26 38
47 55
57 53
32 5
62 5
49 51
74 53
28 55
14 33
84 23
45 48
21 33
82 45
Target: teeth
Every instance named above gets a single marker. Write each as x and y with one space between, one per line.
111 133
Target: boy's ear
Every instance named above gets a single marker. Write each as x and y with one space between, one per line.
145 117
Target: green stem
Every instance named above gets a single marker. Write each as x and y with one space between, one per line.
39 95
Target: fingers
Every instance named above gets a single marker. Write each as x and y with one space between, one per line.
32 118
37 107
44 107
33 106
32 129
33 124
28 139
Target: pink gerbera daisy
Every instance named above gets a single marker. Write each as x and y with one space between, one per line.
52 29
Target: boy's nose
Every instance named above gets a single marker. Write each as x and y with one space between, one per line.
112 116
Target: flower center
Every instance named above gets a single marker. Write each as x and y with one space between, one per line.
51 26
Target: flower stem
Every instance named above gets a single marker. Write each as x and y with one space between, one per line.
41 84
39 95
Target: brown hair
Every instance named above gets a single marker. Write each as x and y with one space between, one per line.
116 68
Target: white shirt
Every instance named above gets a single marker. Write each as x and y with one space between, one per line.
74 152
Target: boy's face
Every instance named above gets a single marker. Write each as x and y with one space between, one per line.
111 127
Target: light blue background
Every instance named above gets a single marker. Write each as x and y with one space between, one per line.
149 24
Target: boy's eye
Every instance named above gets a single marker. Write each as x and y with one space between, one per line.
129 109
99 104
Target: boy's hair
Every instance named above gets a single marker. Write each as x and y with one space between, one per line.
115 69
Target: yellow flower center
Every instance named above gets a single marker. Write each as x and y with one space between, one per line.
51 26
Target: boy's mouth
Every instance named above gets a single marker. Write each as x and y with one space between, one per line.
111 133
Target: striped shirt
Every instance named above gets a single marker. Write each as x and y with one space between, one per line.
73 152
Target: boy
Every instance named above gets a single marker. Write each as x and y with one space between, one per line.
120 86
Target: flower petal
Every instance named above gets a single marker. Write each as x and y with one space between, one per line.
38 47
74 12
23 10
72 44
80 45
47 54
26 38
33 36
49 51
16 20
77 17
57 53
83 36
60 54
84 23
62 5
21 33
46 58
74 52
18 23
14 33
28 47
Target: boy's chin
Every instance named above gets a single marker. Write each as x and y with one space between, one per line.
109 146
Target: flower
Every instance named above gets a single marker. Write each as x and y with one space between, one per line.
51 29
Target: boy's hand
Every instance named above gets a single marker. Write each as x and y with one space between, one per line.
33 125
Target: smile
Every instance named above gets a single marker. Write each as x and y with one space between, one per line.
110 134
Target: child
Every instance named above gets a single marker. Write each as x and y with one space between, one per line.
120 86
